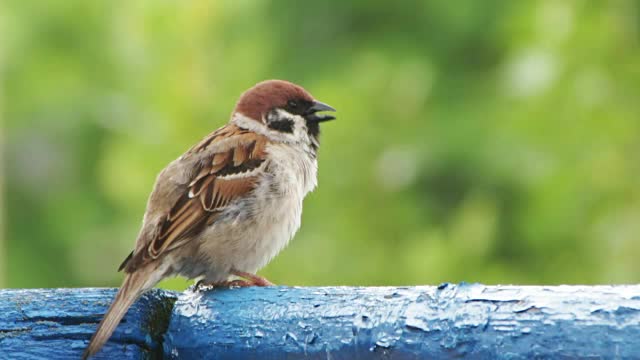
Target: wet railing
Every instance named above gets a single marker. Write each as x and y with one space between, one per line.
424 322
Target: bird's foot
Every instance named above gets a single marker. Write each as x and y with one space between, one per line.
247 281
253 279
204 285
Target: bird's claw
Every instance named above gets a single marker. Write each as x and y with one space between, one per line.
247 281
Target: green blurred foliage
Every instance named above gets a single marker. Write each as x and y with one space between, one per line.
490 141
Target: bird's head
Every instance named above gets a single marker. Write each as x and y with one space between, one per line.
281 110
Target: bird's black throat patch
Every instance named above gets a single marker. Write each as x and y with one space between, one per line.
284 125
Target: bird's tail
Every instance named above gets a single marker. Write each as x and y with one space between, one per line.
134 285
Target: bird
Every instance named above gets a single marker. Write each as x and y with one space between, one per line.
229 204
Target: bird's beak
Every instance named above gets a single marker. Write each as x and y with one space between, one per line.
318 106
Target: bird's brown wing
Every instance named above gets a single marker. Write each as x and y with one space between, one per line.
229 160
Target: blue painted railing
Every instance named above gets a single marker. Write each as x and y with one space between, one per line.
449 321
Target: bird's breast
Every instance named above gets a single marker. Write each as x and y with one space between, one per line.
253 230
293 170
289 176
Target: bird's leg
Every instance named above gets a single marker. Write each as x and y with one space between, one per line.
254 279
238 283
249 280
223 284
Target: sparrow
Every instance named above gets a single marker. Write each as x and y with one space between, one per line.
231 203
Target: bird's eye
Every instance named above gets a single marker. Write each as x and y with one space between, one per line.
292 104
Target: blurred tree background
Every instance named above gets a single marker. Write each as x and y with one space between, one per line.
489 141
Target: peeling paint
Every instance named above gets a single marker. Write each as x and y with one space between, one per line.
465 320
447 321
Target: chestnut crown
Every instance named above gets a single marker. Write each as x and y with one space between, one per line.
268 95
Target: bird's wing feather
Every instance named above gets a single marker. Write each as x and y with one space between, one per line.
227 167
